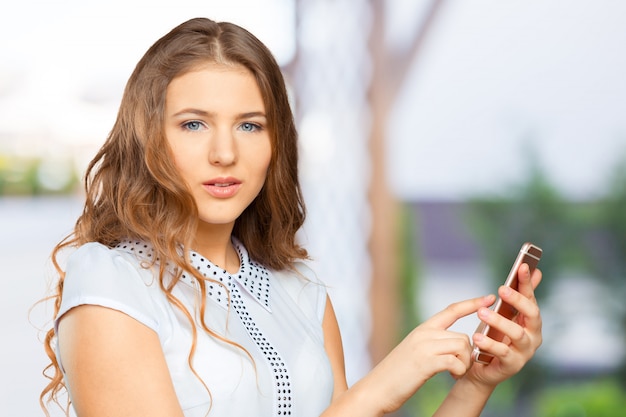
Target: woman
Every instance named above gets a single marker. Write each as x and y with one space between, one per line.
185 292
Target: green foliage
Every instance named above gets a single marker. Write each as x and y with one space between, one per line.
430 396
426 401
586 237
611 219
603 398
408 270
34 176
18 176
533 211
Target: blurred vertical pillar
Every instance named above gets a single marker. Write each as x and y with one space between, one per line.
331 76
383 243
346 79
389 72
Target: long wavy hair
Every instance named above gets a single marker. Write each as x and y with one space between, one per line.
133 188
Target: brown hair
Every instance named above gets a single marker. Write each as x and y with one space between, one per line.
134 191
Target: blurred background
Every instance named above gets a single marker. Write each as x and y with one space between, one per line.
436 137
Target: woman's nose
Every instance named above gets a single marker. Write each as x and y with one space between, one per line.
223 149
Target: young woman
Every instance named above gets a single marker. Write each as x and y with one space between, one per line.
185 292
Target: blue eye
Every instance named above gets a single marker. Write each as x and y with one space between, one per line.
193 125
249 127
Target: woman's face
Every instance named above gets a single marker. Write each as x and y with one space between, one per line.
216 126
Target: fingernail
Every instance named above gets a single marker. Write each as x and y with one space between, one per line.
484 312
506 291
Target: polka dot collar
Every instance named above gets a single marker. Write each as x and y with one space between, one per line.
252 277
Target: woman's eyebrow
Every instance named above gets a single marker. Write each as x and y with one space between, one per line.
192 111
204 113
251 114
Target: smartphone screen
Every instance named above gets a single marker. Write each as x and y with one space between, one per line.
529 254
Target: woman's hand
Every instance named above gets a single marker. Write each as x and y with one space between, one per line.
429 349
522 335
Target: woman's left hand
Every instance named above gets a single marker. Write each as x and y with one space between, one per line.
522 335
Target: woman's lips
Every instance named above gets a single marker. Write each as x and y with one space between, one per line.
222 187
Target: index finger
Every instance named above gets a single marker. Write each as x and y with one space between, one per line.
448 316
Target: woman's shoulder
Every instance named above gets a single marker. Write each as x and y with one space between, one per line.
100 250
91 252
91 257
110 277
122 258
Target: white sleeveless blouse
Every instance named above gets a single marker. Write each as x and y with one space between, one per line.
275 315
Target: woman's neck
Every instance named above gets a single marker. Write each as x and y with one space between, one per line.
214 243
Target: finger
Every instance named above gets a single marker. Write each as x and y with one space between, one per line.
437 355
488 345
511 330
451 363
457 344
524 284
526 306
425 333
437 341
453 312
522 336
517 344
458 366
536 277
527 282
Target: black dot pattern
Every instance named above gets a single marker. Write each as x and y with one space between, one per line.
253 278
142 249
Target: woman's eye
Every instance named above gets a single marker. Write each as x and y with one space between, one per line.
249 127
193 125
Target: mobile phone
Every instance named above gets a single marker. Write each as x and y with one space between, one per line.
529 254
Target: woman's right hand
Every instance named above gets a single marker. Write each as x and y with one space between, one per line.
429 349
